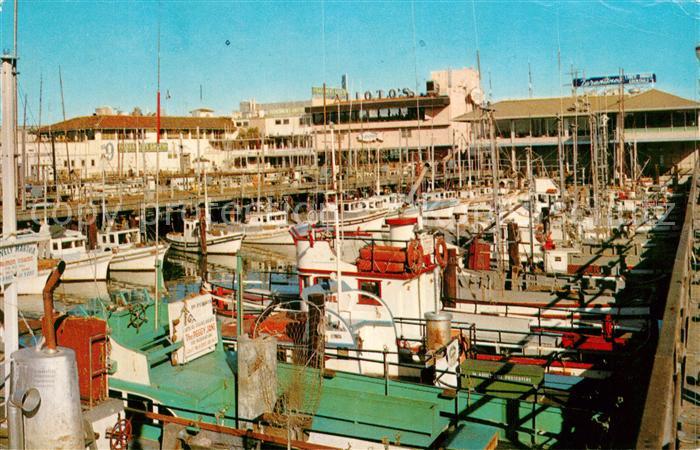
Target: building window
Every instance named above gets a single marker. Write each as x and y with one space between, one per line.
278 121
371 286
286 121
92 163
82 163
65 163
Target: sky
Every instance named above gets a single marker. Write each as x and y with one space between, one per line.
107 51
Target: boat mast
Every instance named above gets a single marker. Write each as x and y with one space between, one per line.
494 174
157 177
338 239
8 133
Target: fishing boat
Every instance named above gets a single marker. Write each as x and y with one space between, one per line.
70 246
437 208
354 215
130 254
174 383
268 229
200 236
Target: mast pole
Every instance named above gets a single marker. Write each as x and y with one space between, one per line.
157 177
8 133
23 173
494 174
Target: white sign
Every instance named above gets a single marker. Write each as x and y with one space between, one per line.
18 262
369 137
193 323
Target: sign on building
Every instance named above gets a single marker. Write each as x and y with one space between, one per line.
193 323
18 262
331 93
615 80
147 147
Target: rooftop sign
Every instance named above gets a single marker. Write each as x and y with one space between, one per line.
615 80
331 92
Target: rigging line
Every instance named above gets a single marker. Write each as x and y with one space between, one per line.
476 31
323 38
415 73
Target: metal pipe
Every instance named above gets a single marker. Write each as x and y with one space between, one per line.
48 321
15 426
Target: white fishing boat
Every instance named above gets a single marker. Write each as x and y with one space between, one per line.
267 228
438 207
130 253
81 264
220 238
365 214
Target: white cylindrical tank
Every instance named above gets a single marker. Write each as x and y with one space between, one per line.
401 228
57 421
438 329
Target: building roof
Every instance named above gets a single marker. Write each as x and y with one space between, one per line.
651 100
128 122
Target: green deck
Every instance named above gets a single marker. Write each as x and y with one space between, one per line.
351 405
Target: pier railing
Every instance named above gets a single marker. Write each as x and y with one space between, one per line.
659 422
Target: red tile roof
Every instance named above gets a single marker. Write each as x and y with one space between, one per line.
124 122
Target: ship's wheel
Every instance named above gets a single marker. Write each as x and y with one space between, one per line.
137 315
120 435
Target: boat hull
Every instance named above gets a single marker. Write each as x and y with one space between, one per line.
275 237
140 259
92 267
225 245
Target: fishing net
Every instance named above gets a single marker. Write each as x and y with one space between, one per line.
299 328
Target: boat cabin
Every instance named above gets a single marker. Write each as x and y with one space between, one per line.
119 238
268 218
69 244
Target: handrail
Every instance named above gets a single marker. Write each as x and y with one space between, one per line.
658 426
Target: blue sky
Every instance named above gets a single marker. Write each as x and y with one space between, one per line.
276 51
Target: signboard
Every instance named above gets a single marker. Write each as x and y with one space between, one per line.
193 323
369 137
147 147
18 262
615 80
331 93
501 379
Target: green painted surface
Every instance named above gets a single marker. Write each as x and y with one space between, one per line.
351 405
501 379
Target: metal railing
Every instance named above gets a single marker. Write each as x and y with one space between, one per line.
659 422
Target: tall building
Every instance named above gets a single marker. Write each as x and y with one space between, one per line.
396 123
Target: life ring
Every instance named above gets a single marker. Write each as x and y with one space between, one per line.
441 252
414 255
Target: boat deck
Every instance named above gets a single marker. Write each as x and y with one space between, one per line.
372 409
